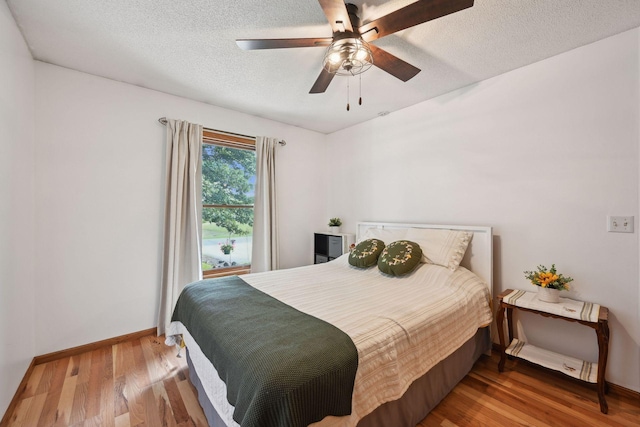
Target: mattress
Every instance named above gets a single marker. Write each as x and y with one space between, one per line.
401 326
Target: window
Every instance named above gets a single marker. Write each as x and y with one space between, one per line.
228 181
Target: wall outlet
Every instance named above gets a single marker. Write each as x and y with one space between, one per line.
620 224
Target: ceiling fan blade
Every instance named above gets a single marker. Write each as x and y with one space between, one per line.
322 82
337 15
410 15
252 44
392 64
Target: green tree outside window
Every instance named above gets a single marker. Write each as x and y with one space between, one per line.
228 179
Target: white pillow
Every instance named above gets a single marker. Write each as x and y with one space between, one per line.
387 235
442 247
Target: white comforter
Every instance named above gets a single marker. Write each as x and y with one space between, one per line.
401 326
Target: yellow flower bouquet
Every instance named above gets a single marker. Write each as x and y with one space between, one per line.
548 278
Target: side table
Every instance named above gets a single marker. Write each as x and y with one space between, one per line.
510 300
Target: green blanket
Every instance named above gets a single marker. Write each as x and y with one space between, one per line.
282 367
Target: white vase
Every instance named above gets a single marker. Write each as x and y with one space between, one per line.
334 230
548 295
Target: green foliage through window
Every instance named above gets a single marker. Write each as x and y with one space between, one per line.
228 180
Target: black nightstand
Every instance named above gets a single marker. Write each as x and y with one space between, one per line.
328 246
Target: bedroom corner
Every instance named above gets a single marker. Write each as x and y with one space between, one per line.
17 272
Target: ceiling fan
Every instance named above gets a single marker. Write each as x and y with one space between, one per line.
349 52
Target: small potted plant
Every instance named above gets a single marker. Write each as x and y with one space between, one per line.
226 247
549 283
334 225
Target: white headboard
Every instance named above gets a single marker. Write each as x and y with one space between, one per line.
479 255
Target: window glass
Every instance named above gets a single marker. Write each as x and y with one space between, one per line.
228 181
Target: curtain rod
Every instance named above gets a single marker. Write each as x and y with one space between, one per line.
163 120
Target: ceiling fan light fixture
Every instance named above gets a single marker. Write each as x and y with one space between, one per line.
361 54
335 58
348 57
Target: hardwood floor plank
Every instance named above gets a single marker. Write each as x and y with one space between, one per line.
123 420
19 414
79 402
49 414
107 394
74 366
92 403
35 409
136 405
121 405
183 371
157 366
137 382
122 362
47 377
190 400
121 353
152 368
65 404
163 407
33 381
151 415
180 412
107 403
140 363
92 422
84 368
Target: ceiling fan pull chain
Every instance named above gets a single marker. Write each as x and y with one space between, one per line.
347 93
360 100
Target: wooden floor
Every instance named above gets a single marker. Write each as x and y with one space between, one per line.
528 395
135 383
142 383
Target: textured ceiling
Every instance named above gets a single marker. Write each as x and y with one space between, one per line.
188 49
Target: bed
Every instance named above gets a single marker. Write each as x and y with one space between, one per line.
415 336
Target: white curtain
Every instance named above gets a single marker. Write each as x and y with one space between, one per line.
181 260
265 253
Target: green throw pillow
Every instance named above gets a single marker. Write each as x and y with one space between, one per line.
400 258
366 253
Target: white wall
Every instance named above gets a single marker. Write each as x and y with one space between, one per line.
16 207
543 154
99 192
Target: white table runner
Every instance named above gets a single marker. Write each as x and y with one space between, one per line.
576 368
570 308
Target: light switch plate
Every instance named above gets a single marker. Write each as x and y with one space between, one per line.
620 224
